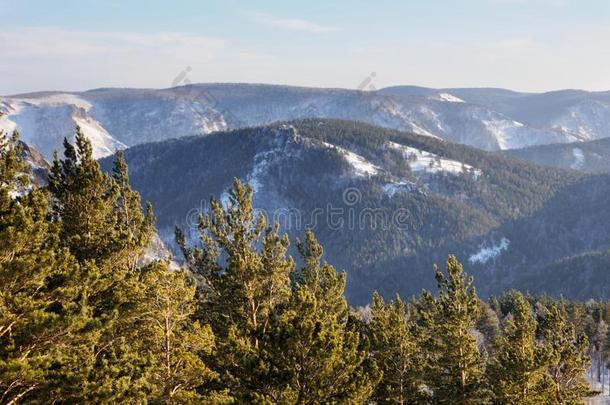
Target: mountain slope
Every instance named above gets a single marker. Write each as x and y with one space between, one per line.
455 119
590 157
45 120
38 167
582 277
386 204
584 114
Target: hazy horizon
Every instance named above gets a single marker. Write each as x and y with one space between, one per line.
301 86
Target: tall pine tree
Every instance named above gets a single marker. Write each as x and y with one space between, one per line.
455 373
103 227
517 370
174 340
134 228
316 351
239 296
568 355
37 279
396 352
85 200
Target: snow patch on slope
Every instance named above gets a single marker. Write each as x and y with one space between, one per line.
361 166
7 109
103 144
503 132
399 187
261 163
281 147
485 254
450 98
579 159
423 161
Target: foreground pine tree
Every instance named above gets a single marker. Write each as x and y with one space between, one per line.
175 341
568 356
80 321
37 280
85 201
455 373
517 371
277 341
134 228
316 352
239 297
396 352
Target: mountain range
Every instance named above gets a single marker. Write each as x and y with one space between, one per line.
489 119
392 181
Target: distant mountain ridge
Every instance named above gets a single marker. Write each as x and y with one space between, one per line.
589 157
490 119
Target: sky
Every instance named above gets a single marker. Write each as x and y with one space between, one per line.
524 45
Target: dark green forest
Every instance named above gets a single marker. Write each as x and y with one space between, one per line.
550 216
85 317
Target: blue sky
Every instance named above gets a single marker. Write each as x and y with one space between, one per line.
529 45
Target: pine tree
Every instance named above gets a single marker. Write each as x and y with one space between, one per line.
103 227
517 370
590 319
315 351
85 200
455 373
238 298
35 284
488 325
174 340
395 351
134 227
12 166
252 282
568 356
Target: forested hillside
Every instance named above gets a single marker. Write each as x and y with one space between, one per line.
402 201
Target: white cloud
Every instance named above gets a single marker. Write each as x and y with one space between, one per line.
293 24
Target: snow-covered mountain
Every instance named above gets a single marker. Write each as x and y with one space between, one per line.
448 116
45 120
489 119
582 114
